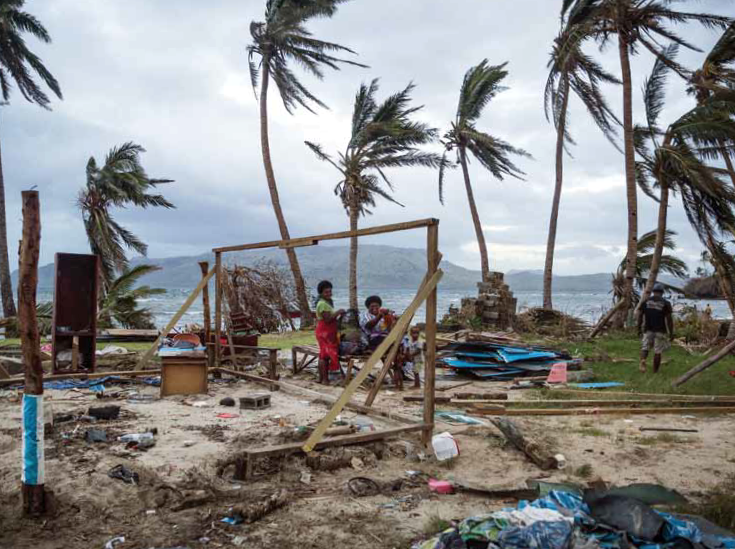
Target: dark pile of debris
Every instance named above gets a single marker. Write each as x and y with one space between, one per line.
549 322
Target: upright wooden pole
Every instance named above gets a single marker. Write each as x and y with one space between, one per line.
32 487
204 266
433 258
218 309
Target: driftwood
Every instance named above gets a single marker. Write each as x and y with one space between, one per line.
255 511
605 320
533 451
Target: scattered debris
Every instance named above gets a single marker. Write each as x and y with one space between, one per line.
538 455
104 412
255 511
227 401
95 435
445 446
123 473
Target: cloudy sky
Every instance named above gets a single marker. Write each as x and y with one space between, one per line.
172 76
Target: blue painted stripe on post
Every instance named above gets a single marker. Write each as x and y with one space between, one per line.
30 438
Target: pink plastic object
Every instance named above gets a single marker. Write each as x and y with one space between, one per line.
440 486
558 373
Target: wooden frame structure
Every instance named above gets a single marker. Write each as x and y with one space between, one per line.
427 292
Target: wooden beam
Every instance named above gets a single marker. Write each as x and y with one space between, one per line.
452 387
646 395
33 458
400 326
172 323
726 350
382 229
298 244
590 403
218 310
272 385
207 314
322 398
433 258
607 411
96 375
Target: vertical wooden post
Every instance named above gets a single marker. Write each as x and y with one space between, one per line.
32 487
433 258
204 265
218 310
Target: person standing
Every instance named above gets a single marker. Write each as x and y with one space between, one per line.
326 331
656 325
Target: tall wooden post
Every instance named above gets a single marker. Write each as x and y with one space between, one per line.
218 309
204 265
433 258
32 487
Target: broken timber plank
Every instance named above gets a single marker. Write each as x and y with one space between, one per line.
272 385
172 323
726 350
606 411
592 403
97 375
418 398
664 396
533 451
399 328
457 386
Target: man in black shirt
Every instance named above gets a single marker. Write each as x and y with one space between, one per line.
656 325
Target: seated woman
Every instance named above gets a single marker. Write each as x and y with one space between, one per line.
376 322
326 331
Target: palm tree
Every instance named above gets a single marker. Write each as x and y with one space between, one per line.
383 136
570 69
636 24
280 39
481 84
120 302
668 263
120 182
19 65
716 76
675 160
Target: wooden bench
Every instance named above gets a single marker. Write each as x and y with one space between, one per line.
310 353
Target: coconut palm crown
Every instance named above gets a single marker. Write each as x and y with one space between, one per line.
383 136
480 85
119 183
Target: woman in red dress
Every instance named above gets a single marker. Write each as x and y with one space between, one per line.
326 331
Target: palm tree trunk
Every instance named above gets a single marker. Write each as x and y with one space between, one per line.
726 284
306 316
630 180
354 215
6 287
484 262
551 244
728 164
658 249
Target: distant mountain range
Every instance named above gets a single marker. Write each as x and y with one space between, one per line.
379 267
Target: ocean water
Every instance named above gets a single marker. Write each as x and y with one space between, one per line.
585 305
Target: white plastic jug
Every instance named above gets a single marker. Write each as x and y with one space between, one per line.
445 447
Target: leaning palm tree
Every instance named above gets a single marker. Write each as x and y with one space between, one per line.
481 84
676 160
279 40
119 183
383 136
19 66
636 24
716 77
571 70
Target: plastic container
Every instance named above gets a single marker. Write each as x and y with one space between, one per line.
136 437
440 486
445 447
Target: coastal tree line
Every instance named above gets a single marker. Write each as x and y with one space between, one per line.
690 157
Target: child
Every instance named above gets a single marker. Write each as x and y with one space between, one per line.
413 353
326 331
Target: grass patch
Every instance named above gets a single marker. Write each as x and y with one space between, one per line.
288 339
584 471
592 432
718 504
663 438
435 525
623 345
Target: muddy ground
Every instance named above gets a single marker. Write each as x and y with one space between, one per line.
180 499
